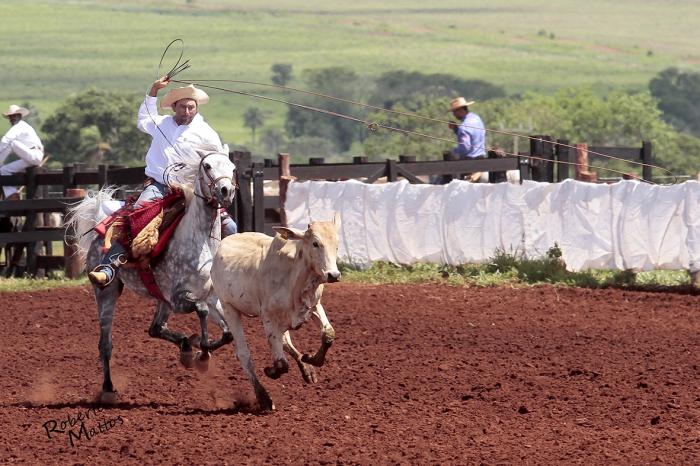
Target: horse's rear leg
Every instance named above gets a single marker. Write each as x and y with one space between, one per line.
159 329
106 300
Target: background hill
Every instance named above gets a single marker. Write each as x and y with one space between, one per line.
52 49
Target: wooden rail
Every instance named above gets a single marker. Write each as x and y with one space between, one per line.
253 210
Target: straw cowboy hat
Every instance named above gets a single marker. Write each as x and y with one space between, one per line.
14 110
187 92
459 102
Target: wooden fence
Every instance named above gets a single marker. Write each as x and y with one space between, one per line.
48 191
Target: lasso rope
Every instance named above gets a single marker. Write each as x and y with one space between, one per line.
374 126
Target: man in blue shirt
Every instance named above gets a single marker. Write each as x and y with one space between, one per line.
471 135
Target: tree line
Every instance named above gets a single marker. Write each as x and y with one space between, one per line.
99 126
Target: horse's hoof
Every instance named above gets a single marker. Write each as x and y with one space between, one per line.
109 398
187 358
195 340
201 363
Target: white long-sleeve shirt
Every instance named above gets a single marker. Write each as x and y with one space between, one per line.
21 132
161 153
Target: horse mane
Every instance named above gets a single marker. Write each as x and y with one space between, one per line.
183 174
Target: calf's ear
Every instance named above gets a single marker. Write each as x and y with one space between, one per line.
289 233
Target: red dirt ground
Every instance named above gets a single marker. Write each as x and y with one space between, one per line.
419 374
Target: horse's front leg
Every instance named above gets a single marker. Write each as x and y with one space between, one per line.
327 338
159 329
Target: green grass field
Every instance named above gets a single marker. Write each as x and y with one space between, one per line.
51 49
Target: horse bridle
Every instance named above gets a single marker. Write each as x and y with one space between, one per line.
212 201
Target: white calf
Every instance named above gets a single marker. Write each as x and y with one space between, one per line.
281 280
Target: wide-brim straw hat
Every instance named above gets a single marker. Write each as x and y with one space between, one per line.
14 110
187 92
459 102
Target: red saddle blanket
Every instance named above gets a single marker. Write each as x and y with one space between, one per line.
126 223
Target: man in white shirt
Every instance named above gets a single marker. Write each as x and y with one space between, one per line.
22 140
186 125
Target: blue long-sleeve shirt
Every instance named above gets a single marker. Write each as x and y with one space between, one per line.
471 137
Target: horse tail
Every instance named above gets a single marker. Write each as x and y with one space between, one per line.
83 216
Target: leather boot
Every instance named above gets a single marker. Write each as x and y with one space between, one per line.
104 274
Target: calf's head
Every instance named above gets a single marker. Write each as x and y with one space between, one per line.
318 247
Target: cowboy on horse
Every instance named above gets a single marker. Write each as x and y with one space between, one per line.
186 125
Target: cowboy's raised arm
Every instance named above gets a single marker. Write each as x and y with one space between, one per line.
148 116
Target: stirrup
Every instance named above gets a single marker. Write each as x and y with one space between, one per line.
102 275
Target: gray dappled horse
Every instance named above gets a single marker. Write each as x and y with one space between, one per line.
183 271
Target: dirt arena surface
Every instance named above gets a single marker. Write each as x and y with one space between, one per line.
419 374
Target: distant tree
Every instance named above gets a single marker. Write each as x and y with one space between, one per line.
281 74
385 143
253 119
397 86
579 115
678 94
272 139
98 127
34 117
336 81
303 147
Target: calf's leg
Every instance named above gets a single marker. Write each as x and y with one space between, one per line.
308 372
243 355
327 338
274 339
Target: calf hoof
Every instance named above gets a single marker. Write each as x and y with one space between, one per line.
281 367
264 401
227 338
187 358
314 360
109 398
308 373
201 363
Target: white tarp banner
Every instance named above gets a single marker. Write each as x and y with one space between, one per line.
626 225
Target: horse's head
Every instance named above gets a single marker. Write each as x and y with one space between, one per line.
215 175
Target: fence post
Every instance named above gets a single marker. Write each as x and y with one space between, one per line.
285 176
258 197
525 168
244 219
391 172
647 158
30 221
542 167
101 176
562 155
582 172
499 176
